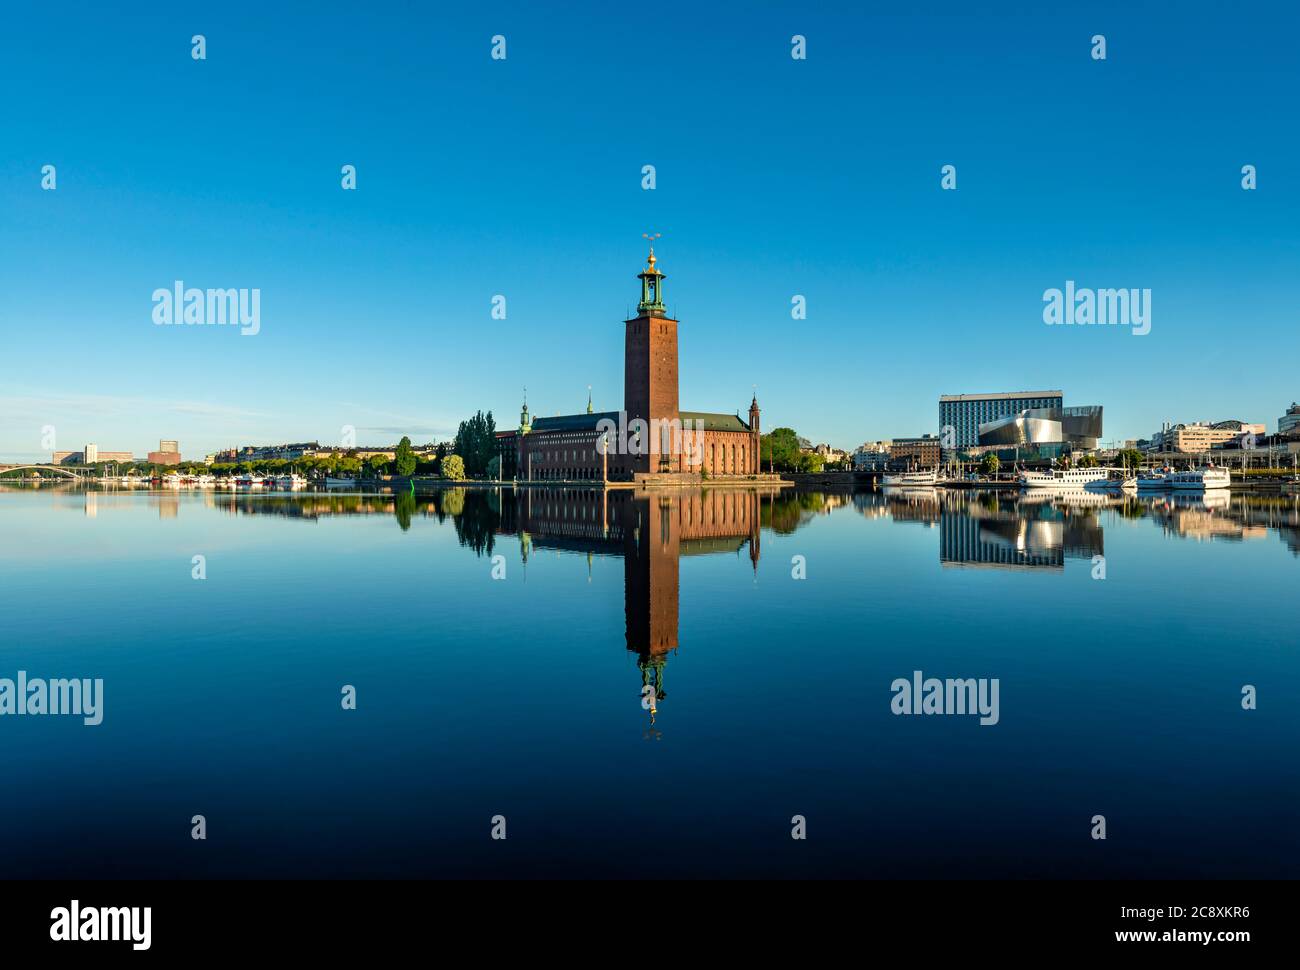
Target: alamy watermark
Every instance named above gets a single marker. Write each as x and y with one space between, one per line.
102 924
633 437
213 307
1109 307
82 698
930 695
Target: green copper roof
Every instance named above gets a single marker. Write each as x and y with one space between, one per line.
715 422
574 422
588 422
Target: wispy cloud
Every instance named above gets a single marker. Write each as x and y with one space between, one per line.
124 421
42 406
402 424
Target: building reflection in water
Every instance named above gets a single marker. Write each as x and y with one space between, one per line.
650 531
1016 532
996 530
977 528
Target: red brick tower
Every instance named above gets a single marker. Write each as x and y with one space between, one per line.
650 373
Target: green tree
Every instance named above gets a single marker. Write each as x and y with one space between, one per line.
453 467
809 461
376 464
476 442
1088 461
1130 458
989 464
780 447
405 461
494 468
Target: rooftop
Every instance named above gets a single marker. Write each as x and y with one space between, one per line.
715 422
1002 396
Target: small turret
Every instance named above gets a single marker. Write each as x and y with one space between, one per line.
525 419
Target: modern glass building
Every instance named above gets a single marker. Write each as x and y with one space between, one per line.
964 413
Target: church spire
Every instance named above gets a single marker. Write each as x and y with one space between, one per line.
525 420
589 409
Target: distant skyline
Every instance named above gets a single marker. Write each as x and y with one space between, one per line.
522 177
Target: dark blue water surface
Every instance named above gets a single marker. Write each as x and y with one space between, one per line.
522 696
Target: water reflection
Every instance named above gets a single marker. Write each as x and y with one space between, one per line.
1013 530
651 532
977 528
479 694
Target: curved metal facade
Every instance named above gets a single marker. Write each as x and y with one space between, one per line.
1079 426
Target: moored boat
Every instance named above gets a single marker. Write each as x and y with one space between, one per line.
913 479
1068 479
1201 479
1153 479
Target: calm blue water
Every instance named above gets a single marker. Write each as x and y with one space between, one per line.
522 696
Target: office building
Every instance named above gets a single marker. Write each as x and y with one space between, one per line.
964 413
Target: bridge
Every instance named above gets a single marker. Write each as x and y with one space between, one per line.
43 470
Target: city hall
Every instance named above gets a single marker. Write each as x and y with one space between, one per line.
652 440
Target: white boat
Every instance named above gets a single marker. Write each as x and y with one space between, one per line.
332 482
1119 483
911 494
1068 479
1200 479
1153 480
921 479
205 481
171 481
248 480
291 481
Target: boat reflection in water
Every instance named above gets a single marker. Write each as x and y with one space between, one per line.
1031 530
1011 530
1006 530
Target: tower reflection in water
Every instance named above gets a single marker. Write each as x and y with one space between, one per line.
651 531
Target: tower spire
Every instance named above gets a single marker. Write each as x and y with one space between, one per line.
652 283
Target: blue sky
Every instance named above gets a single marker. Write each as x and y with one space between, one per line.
522 177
